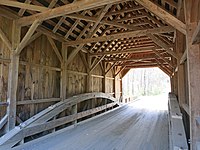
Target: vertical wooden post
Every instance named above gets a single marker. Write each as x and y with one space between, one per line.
115 80
74 111
176 83
104 78
180 49
115 87
193 63
193 55
172 84
63 75
89 87
181 85
13 77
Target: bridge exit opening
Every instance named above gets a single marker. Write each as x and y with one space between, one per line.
146 83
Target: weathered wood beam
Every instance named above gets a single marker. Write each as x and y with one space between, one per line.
3 121
89 34
22 11
134 59
64 72
128 34
165 65
23 5
193 63
111 67
83 58
27 37
184 57
161 66
97 62
37 101
121 69
163 58
164 70
12 138
66 104
66 9
131 50
55 49
163 45
112 23
32 64
164 15
12 90
141 66
196 35
58 122
13 78
186 108
11 15
176 127
125 10
33 38
5 39
89 82
104 81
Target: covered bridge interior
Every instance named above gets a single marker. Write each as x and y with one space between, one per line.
51 50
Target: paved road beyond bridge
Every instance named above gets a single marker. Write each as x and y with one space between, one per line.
142 125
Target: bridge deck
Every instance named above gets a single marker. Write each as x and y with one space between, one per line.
142 125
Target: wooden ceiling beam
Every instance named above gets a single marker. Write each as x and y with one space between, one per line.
125 10
23 5
90 33
22 11
151 65
128 34
163 58
164 15
65 9
130 59
163 45
172 3
94 19
163 66
131 50
11 15
164 70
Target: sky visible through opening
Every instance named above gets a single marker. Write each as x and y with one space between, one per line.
145 82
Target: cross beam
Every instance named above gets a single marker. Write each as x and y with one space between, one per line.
128 34
164 15
66 9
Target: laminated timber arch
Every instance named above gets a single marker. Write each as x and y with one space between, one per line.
42 121
54 49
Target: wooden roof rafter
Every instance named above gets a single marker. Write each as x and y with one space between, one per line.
122 18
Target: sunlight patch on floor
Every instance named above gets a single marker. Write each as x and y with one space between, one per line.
152 103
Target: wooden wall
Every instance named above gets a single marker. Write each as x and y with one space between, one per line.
5 24
39 77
